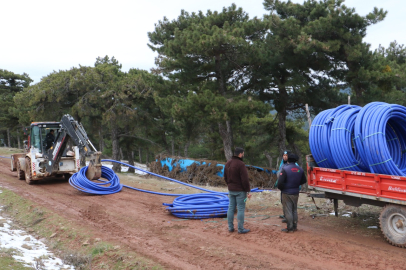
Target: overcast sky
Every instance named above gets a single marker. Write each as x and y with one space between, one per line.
38 37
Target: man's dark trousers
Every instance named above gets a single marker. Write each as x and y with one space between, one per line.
289 203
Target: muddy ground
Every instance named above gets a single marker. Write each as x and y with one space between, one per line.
138 221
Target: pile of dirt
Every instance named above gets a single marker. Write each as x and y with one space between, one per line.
206 174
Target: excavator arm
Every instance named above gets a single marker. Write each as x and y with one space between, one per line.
71 130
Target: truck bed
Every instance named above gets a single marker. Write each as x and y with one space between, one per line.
369 186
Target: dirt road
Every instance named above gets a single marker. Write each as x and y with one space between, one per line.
137 220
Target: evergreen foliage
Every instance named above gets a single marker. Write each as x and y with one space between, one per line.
221 80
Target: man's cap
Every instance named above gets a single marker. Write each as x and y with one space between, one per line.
238 150
292 157
286 152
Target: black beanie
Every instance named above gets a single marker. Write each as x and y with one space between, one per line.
292 157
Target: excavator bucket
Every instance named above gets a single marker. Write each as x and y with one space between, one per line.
94 169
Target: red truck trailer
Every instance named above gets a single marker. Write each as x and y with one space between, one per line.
357 188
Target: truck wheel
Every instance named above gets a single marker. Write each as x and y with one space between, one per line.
393 224
28 173
13 169
20 173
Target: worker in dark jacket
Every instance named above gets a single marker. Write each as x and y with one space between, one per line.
236 177
49 139
284 162
290 178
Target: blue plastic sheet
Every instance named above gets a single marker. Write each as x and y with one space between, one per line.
184 163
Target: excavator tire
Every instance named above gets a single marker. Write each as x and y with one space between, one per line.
20 173
28 173
393 224
13 169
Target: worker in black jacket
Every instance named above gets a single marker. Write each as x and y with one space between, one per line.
290 178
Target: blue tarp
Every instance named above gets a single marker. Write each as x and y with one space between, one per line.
184 163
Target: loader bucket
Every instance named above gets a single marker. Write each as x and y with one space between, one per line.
93 171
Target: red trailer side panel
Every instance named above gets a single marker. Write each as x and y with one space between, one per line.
377 185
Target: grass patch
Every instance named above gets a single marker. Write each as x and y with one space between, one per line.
5 151
65 239
8 262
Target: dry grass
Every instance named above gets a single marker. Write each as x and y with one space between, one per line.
69 248
5 151
77 259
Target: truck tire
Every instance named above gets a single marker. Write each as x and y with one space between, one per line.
13 169
393 224
20 173
28 173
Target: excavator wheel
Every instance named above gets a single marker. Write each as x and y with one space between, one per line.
20 173
28 173
13 169
393 224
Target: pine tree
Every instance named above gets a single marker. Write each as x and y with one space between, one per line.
306 53
210 52
10 85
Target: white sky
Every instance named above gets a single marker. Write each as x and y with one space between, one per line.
38 37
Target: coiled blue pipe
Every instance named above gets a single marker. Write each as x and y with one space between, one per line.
368 139
341 141
191 206
198 206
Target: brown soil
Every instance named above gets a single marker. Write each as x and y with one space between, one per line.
138 221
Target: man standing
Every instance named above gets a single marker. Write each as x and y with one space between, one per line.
236 177
284 162
290 178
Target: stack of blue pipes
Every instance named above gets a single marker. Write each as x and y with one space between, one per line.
364 139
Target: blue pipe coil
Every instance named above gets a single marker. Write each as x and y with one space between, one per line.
190 206
368 139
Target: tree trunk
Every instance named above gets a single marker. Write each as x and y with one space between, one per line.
309 118
140 154
187 148
115 144
18 138
121 154
268 156
101 141
130 159
173 147
359 94
226 134
8 137
147 156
